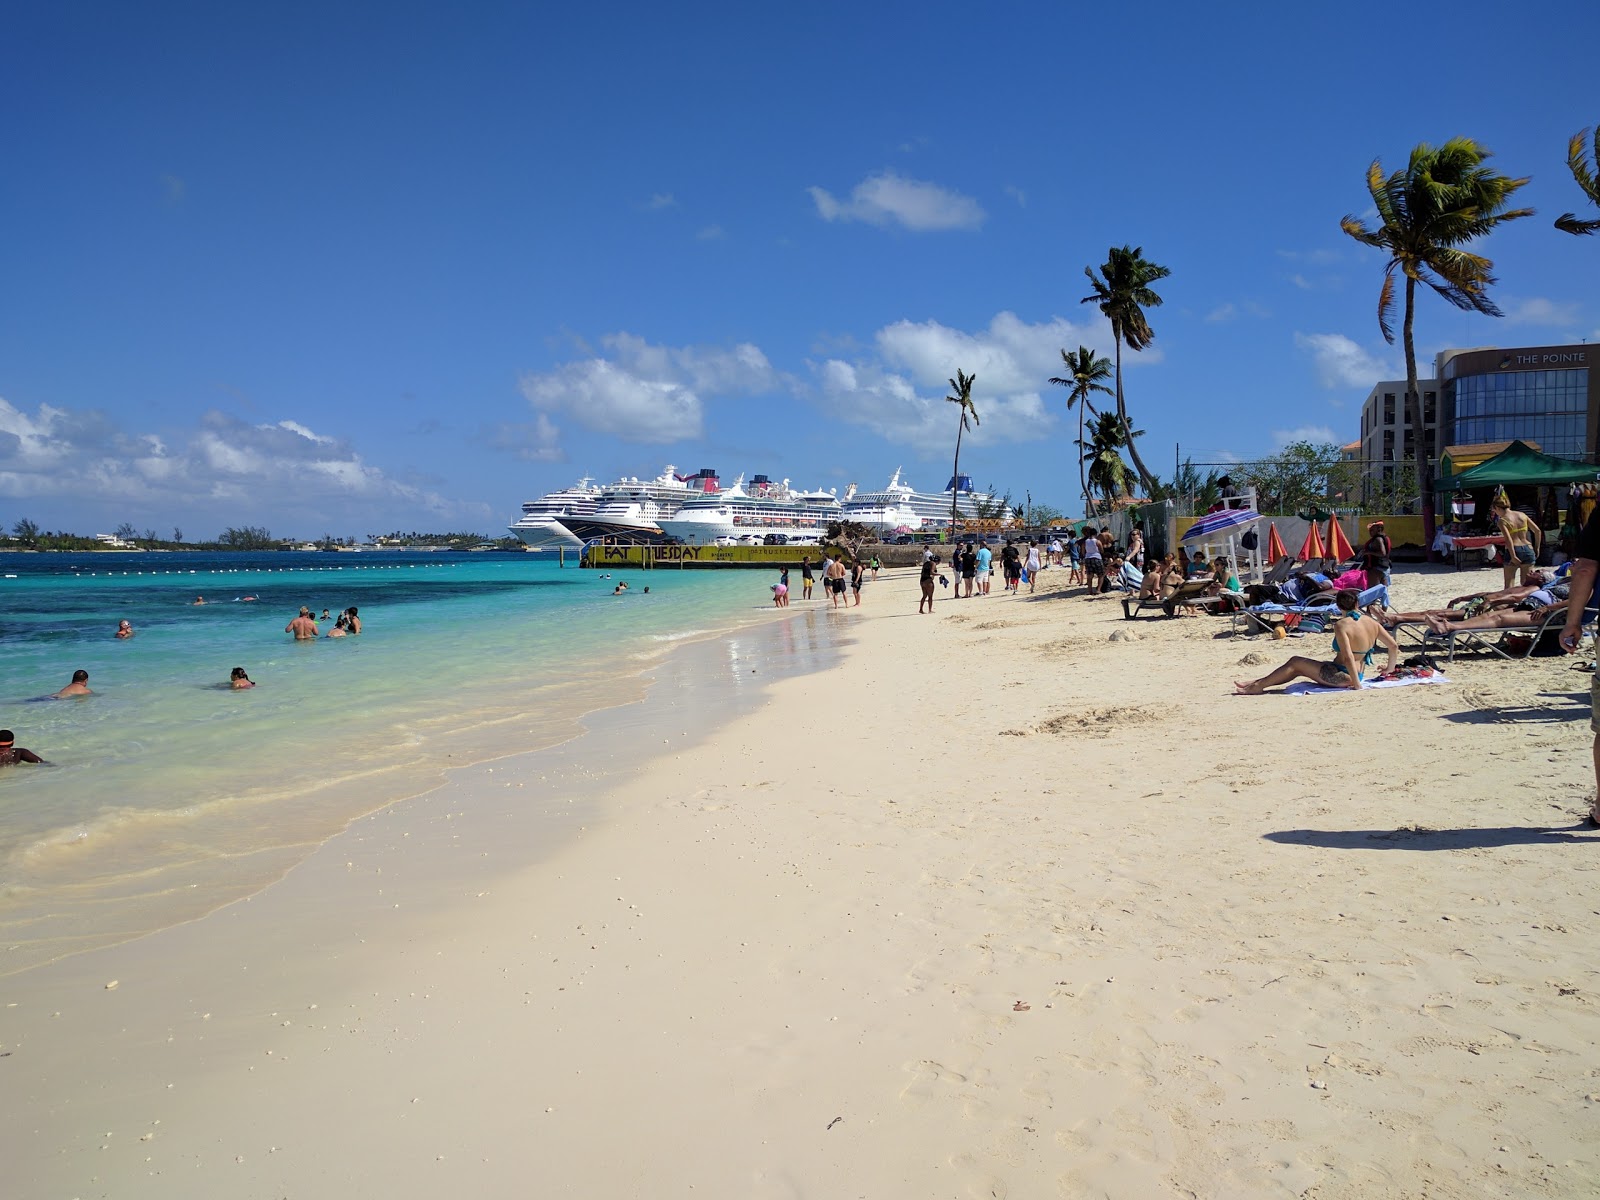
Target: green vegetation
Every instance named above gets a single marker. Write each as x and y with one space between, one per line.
1086 374
1108 471
1302 475
1583 170
1441 201
961 385
1122 292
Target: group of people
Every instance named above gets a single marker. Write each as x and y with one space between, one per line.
304 626
836 576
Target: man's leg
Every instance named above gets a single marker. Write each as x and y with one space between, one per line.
1594 724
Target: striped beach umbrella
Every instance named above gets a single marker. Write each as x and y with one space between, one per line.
1312 546
1220 521
1275 546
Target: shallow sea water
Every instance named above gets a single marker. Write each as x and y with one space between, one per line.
171 794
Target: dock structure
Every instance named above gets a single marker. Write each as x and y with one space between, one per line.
678 558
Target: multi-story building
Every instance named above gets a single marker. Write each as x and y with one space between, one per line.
1546 395
1386 434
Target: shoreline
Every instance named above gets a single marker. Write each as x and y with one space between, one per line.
1041 927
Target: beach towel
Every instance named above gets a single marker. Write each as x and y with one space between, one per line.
1304 687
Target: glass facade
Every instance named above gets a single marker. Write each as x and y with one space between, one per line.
1549 408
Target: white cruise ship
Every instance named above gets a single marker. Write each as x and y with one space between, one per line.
898 506
574 516
636 507
743 515
544 522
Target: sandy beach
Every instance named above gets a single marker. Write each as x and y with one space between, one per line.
1013 900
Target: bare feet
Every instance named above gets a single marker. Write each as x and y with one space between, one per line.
1248 687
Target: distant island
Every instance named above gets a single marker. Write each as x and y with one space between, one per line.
27 536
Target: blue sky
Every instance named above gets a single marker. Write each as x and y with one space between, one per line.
350 268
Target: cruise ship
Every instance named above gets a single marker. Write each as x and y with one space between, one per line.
899 507
629 507
748 516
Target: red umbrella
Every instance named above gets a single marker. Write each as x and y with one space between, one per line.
1275 548
1312 547
1338 544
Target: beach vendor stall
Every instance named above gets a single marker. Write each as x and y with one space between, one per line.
1534 483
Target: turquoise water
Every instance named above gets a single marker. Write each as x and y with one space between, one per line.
171 794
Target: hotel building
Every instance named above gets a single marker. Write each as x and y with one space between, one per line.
1548 396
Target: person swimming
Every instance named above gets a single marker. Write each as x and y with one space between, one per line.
78 687
124 629
11 753
238 680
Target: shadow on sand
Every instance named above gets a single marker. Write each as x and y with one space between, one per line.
1436 839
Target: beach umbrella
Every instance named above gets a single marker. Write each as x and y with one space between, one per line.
1275 546
1220 521
1312 546
1338 544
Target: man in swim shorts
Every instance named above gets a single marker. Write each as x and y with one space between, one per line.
1355 638
833 577
1523 538
805 577
11 753
303 627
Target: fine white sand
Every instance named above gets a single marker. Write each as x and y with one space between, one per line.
997 905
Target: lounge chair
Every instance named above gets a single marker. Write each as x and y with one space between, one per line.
1280 570
1189 592
1513 644
1258 617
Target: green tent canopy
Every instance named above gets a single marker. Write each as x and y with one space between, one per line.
1518 463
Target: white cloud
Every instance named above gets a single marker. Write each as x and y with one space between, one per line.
225 469
1223 312
711 233
1535 310
912 203
536 441
899 391
1300 281
648 394
1319 258
1017 194
1341 362
1306 433
661 200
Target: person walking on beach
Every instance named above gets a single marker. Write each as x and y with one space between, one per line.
124 630
969 568
1523 539
929 562
239 680
1033 565
11 753
78 687
833 577
303 627
1586 564
874 568
1093 564
857 571
985 567
805 577
1355 638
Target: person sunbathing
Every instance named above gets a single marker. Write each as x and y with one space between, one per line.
1517 599
1541 579
1521 617
1355 638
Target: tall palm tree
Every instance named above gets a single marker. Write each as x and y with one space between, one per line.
1109 435
961 385
1086 374
1584 172
1443 199
1122 292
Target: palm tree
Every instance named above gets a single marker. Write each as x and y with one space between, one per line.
1122 292
1584 173
1109 435
1086 373
1442 200
961 385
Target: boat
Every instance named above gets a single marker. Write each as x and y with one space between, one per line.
543 523
748 517
900 507
629 508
